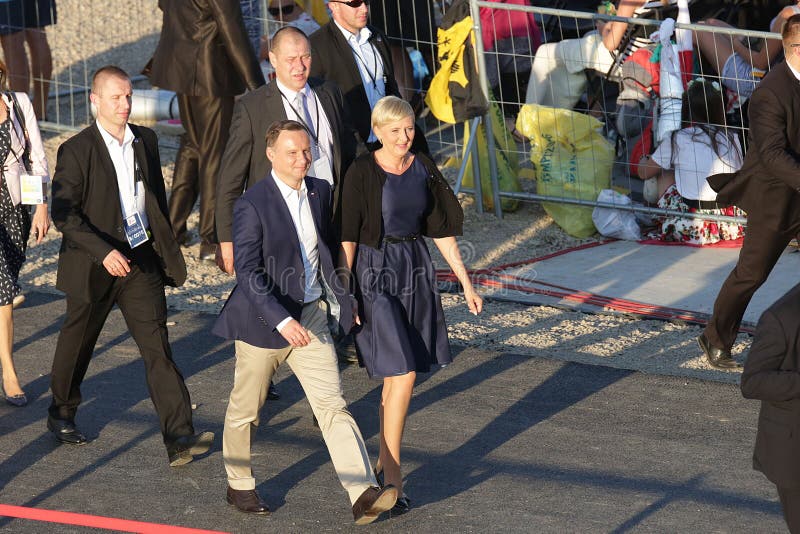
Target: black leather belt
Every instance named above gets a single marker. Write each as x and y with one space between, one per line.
703 204
389 239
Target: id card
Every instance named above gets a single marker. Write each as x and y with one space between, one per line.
31 189
321 168
134 230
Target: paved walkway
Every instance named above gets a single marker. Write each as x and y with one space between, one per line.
494 442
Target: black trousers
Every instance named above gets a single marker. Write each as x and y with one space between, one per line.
760 251
790 502
140 297
206 120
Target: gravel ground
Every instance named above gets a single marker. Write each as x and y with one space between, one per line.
613 340
81 43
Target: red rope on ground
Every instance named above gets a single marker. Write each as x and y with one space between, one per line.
108 523
651 311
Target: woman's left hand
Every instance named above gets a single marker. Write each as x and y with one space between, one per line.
474 302
41 223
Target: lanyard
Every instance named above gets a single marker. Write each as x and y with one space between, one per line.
372 76
137 172
314 132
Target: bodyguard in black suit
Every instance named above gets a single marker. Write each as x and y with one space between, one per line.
341 60
118 248
768 189
772 375
203 55
243 163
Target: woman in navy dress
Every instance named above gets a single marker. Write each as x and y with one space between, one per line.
390 199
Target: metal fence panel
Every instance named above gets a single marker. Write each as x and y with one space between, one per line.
87 36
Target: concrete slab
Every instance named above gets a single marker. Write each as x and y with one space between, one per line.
686 278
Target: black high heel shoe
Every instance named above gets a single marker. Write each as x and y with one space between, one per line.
403 503
401 506
18 401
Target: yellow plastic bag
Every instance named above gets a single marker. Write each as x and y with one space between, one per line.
507 162
573 160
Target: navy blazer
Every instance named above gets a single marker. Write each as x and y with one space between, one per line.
270 279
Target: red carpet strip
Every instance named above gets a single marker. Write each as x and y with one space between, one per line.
494 278
108 523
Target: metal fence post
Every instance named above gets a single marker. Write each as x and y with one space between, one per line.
476 166
468 151
487 121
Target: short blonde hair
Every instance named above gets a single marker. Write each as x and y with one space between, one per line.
390 109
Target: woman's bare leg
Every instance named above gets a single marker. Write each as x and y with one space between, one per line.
395 398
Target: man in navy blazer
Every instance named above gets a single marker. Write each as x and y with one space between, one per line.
286 288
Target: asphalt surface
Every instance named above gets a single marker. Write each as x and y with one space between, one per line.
494 442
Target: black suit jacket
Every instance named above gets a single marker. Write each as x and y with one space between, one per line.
87 211
768 185
204 49
244 161
332 59
772 374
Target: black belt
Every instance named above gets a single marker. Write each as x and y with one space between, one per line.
390 239
703 204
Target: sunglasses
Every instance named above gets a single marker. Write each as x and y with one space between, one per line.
281 10
352 3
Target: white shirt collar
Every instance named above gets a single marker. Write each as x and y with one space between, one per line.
109 139
794 71
291 94
286 191
360 38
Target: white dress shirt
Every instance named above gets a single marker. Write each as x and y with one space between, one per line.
370 66
131 191
320 127
297 202
794 71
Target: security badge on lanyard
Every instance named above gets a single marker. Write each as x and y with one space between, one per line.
321 166
134 227
31 189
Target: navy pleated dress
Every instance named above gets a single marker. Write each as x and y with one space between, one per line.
403 326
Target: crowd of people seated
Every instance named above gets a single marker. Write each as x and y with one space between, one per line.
727 68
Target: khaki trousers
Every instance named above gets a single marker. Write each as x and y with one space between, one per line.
317 369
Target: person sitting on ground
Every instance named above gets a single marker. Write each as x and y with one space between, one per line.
557 77
740 61
676 172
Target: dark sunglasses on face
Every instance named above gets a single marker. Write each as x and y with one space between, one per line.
281 10
352 3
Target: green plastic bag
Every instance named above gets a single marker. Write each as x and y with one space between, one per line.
573 160
507 163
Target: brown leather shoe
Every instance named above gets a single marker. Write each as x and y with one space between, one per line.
372 503
247 501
